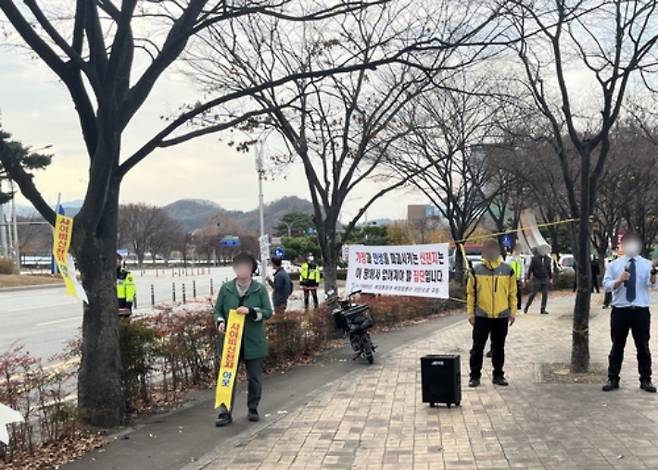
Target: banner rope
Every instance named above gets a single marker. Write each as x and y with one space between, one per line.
514 230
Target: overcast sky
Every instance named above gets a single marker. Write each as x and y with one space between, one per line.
36 110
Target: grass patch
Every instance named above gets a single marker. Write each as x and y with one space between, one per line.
22 280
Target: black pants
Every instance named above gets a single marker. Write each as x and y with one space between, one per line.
607 298
538 285
638 320
497 327
254 383
595 284
314 292
518 294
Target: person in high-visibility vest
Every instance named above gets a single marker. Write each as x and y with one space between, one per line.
126 289
309 279
517 262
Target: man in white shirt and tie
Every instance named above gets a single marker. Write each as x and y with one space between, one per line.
629 278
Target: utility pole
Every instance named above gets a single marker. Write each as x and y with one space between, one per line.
17 252
3 229
264 241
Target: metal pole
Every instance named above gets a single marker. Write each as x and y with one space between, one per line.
3 229
260 168
173 292
152 296
194 289
184 298
17 251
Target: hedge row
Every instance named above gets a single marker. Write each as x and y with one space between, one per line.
163 355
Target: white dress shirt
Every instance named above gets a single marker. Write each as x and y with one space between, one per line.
642 280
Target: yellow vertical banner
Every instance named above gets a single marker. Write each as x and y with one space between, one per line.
61 243
229 360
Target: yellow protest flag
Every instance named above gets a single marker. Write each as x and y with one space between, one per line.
62 234
229 360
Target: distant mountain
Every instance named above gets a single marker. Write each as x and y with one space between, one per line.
70 207
193 214
273 212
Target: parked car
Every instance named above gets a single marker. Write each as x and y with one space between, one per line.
567 260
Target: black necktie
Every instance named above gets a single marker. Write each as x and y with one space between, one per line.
630 284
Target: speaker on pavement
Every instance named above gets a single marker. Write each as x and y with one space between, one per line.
441 379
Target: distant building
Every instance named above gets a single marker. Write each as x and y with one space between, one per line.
376 223
421 212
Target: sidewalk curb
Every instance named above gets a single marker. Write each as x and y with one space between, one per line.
34 287
209 457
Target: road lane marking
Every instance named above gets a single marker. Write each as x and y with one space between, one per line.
61 320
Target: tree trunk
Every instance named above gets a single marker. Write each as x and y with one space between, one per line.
459 265
330 271
99 381
580 334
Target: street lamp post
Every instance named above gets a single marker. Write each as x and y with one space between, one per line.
3 229
264 243
17 252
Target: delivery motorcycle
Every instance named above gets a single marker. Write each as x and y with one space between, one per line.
355 320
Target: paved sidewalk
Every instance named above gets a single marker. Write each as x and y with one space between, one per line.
373 418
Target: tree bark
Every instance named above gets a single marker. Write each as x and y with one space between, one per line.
459 265
330 272
99 381
329 249
580 337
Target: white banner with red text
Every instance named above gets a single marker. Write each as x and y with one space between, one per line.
410 270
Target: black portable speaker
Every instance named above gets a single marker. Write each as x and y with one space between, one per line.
441 379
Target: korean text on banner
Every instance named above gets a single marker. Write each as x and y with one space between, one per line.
229 360
63 232
414 270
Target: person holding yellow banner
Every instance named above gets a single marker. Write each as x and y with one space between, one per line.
248 297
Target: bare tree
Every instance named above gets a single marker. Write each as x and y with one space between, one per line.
166 240
142 226
611 42
109 58
340 127
446 154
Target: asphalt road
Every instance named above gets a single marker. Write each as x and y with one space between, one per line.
44 319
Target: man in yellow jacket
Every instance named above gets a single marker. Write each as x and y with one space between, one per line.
491 306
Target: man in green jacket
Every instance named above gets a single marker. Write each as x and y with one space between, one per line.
250 298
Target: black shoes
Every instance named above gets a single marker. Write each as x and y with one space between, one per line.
645 385
500 381
253 416
224 419
496 381
544 312
525 310
489 353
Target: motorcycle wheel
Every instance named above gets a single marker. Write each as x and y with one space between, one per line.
370 357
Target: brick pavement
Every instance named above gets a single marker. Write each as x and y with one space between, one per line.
373 418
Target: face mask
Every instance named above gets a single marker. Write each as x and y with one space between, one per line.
632 248
310 259
242 271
